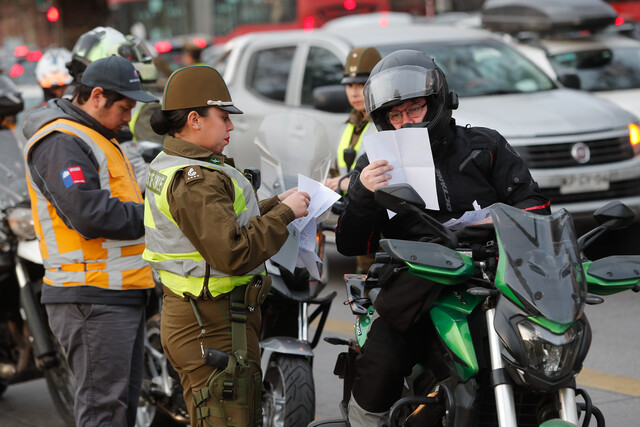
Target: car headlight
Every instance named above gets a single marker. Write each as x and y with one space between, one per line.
634 138
21 223
550 354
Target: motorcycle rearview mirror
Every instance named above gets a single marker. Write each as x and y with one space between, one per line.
403 198
612 216
398 198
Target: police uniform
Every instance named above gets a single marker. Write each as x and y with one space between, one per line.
359 63
356 70
207 236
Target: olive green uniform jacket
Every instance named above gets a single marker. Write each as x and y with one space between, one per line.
203 209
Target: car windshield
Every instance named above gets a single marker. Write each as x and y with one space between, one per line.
541 261
480 68
601 69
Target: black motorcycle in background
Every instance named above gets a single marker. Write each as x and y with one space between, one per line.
28 348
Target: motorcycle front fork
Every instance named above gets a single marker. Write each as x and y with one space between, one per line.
505 404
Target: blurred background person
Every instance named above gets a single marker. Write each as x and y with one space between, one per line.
357 68
102 42
191 53
52 73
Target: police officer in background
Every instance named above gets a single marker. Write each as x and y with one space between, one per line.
359 64
208 238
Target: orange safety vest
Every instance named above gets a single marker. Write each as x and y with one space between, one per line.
70 259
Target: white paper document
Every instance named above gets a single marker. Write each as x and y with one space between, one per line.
409 152
300 248
469 218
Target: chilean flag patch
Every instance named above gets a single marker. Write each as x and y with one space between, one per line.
72 175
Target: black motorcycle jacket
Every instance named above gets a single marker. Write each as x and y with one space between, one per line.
474 166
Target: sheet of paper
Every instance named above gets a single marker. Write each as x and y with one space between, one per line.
299 249
469 218
288 254
409 152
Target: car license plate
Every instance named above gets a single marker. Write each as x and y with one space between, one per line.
585 183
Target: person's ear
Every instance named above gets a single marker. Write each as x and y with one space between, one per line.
193 120
96 96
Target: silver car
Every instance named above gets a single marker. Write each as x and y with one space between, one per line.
581 149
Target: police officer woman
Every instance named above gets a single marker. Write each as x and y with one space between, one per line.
359 63
207 238
474 167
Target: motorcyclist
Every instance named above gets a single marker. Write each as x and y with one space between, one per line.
11 102
101 42
475 167
52 73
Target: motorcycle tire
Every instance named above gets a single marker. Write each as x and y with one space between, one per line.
148 414
289 399
61 384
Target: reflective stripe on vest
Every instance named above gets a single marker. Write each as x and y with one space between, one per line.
71 260
345 141
180 266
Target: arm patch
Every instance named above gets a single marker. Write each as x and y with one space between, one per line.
192 174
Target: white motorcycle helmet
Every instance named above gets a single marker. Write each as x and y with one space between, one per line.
51 70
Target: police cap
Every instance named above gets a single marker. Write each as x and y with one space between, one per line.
359 64
197 86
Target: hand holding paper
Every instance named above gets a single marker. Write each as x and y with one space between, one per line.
299 249
409 152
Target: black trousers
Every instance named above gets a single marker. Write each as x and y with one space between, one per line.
387 357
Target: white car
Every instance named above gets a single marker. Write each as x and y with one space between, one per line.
582 150
607 65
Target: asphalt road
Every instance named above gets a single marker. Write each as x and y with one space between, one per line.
611 372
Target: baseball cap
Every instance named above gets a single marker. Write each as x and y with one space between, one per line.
117 74
197 86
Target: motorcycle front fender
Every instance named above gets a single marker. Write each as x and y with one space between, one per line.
283 345
29 250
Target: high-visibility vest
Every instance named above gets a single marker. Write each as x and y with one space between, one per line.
70 259
345 141
180 266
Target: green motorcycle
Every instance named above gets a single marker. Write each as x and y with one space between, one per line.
509 316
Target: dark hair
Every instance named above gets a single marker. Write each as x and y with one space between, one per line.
173 121
82 93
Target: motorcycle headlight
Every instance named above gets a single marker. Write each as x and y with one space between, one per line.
550 354
21 223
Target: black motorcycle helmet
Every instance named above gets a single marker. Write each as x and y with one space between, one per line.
10 97
406 74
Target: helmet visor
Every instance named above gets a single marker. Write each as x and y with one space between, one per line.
399 84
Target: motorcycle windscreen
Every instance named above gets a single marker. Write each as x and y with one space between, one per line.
13 181
540 260
290 144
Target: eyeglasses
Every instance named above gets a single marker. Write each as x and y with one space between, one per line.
413 111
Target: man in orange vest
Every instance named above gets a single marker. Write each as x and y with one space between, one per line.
88 215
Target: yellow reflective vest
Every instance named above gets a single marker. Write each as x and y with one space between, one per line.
70 259
180 266
344 144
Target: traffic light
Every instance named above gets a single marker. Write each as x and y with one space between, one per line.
53 14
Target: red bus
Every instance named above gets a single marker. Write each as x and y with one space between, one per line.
629 10
224 19
235 17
